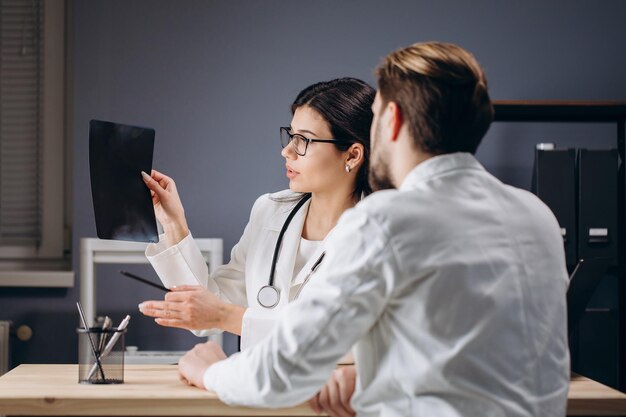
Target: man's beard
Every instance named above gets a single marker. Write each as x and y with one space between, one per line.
379 176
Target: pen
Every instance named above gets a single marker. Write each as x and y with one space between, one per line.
145 281
96 365
106 325
109 346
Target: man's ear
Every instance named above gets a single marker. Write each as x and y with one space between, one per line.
395 120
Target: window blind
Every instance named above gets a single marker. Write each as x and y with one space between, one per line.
21 103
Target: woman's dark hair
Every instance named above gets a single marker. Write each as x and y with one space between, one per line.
346 105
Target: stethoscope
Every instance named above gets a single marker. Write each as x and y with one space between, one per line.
269 295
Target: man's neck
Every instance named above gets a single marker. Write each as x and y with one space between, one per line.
405 162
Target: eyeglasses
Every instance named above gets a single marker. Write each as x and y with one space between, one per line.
301 143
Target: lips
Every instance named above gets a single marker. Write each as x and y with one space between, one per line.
291 174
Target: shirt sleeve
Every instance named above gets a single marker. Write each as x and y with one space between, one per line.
184 264
256 324
344 299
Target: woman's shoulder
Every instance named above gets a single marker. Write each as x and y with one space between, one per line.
270 204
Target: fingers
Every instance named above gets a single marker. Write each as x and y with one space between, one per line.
153 185
177 295
170 323
158 176
334 398
322 398
315 403
182 379
160 309
180 288
346 381
163 180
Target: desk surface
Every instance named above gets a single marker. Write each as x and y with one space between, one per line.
148 390
588 397
155 390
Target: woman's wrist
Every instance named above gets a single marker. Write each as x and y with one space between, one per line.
174 233
231 317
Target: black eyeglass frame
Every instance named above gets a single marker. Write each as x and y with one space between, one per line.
306 140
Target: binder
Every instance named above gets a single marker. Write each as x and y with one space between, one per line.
554 182
597 204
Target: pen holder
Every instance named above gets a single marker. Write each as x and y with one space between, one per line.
100 356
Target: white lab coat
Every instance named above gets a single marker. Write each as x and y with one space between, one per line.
239 280
453 288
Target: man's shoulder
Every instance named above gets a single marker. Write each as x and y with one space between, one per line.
385 206
389 201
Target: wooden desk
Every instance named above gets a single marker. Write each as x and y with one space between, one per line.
154 390
148 390
588 397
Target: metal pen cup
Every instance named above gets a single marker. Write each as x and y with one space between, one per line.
108 366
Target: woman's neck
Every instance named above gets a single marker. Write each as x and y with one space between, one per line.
324 212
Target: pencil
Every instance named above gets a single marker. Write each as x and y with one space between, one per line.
145 281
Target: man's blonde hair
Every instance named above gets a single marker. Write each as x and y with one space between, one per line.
442 94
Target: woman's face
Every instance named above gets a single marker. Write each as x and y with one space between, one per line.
322 168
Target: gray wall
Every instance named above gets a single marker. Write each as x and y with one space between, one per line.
215 79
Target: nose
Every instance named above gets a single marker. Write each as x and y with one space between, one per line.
288 152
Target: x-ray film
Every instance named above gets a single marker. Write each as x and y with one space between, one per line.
121 201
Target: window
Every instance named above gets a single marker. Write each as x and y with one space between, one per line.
32 135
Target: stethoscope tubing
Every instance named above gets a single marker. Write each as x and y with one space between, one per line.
268 295
279 242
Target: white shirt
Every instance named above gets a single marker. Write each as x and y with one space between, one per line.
453 289
306 250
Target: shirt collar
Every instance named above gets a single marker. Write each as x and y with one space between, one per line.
437 165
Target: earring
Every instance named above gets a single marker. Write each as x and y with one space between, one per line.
348 168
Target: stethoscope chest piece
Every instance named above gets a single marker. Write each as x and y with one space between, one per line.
268 296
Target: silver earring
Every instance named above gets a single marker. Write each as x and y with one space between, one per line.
348 168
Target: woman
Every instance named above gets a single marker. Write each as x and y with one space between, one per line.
326 150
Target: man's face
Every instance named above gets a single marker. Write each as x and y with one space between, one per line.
379 175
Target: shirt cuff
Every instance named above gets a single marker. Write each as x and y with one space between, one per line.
211 380
256 324
180 264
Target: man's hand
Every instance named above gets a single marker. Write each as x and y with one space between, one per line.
334 397
192 366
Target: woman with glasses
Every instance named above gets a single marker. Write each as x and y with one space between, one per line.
326 151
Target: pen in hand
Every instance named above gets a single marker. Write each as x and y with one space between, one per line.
145 281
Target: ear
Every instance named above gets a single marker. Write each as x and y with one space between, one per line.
394 120
355 155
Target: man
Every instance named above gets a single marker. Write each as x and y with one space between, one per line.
451 288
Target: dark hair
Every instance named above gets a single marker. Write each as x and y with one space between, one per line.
346 105
442 93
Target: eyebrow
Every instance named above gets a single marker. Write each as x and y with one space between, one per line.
303 131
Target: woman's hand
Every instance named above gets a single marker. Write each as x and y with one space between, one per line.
334 397
193 307
168 208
